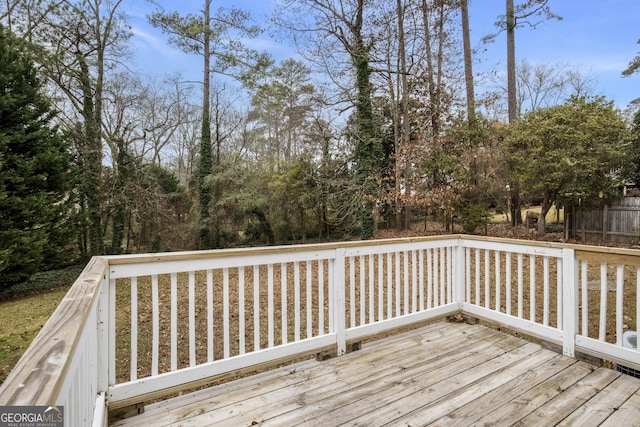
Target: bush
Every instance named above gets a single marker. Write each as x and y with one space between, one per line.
42 281
471 217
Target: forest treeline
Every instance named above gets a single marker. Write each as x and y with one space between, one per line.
376 121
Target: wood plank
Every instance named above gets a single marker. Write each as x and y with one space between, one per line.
445 333
244 408
39 374
464 388
523 405
605 403
628 414
366 406
471 412
558 408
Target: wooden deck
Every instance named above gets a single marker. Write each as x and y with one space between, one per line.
442 374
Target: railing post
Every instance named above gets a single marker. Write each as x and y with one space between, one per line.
338 301
103 328
569 302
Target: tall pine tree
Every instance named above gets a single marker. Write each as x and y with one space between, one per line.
35 171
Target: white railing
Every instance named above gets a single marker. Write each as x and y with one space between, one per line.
138 327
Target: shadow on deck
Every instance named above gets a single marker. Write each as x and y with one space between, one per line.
442 374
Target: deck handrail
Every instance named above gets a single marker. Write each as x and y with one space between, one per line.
139 326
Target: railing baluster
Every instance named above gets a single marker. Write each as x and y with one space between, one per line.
603 302
380 287
133 373
210 312
192 318
256 308
546 296
507 279
309 299
174 321
619 295
477 265
372 311
226 345
430 303
362 275
520 287
559 292
498 280
321 329
585 298
405 259
390 285
270 303
283 291
352 292
242 340
421 279
397 284
487 279
155 325
436 282
443 284
296 294
532 288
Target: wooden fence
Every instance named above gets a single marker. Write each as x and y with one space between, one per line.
617 221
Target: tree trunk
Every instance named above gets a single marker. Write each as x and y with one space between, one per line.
405 214
205 163
511 63
468 63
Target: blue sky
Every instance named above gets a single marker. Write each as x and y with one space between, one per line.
597 36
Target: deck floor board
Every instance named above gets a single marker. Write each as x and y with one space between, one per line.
441 374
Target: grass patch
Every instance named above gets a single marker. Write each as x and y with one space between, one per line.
20 321
551 215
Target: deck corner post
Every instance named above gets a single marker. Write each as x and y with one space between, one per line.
103 330
339 312
569 302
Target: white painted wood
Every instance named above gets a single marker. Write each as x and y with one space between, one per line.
321 302
256 308
497 272
607 349
545 291
602 332
487 279
270 307
284 303
397 284
619 299
309 299
155 325
372 310
226 343
338 301
477 264
174 321
560 291
569 324
508 282
532 288
112 331
405 260
585 298
242 328
520 286
414 282
361 302
133 369
400 321
381 274
192 318
352 291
